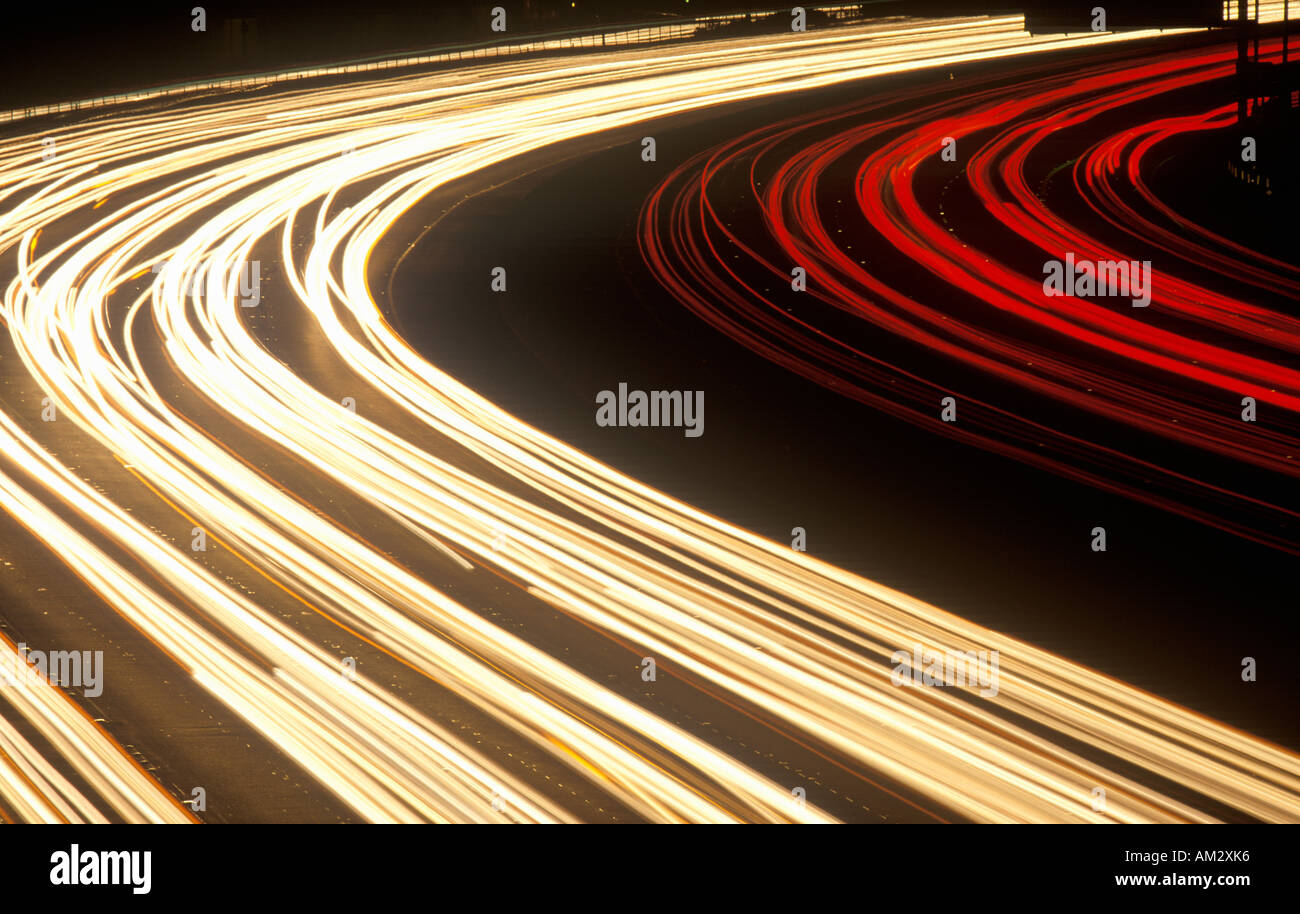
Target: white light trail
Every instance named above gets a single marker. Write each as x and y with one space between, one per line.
802 644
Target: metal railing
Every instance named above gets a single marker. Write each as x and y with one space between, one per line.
577 39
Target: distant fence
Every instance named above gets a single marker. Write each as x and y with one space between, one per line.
591 38
1269 11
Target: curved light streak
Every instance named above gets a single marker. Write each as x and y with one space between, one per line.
800 645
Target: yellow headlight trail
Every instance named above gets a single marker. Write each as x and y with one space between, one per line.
33 790
800 642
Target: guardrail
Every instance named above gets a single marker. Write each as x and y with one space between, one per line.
577 39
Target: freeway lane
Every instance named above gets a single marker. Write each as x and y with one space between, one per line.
973 533
143 367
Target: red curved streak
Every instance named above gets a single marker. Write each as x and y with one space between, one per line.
1142 370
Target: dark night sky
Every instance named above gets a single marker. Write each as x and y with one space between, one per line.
79 49
54 52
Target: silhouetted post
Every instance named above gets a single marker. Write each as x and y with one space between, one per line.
1256 28
1241 61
